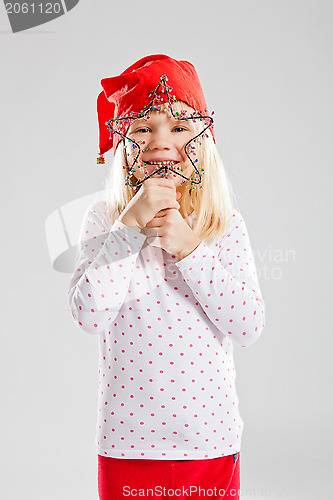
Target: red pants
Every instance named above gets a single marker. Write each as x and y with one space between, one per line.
215 478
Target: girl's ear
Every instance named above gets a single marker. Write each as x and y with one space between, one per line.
178 195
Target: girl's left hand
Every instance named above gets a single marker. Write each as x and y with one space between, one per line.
168 230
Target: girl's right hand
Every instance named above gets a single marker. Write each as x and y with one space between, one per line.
155 194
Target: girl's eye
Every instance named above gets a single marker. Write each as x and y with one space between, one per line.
181 129
140 130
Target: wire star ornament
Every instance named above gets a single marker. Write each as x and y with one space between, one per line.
118 125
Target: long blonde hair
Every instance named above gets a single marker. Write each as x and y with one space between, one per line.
212 202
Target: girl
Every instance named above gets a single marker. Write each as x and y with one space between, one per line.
166 278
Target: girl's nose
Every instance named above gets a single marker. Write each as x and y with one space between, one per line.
159 141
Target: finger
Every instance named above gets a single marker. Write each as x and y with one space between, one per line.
165 212
150 232
162 212
155 223
163 181
156 220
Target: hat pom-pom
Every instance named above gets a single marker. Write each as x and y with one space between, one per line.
100 160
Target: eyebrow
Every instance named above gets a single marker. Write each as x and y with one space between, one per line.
141 121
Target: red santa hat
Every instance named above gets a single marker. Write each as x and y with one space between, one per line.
131 91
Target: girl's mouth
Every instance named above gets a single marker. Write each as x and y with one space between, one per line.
167 163
160 167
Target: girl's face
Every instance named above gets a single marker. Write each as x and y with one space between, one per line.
162 139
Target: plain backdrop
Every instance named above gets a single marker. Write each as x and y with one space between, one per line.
266 70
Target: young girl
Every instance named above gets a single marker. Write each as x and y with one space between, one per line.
166 278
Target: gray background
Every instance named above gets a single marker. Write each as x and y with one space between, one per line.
266 69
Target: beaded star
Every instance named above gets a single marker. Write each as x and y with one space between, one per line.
118 125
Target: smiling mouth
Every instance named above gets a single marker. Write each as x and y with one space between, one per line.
164 163
161 168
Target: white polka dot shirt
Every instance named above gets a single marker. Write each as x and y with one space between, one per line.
166 328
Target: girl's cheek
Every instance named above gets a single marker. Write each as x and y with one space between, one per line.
130 156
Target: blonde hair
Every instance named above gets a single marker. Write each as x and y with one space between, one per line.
212 201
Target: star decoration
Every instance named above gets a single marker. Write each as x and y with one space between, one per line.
118 125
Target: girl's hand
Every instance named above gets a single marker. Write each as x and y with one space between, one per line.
168 230
155 194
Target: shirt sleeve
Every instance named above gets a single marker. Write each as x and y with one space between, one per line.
226 284
105 260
